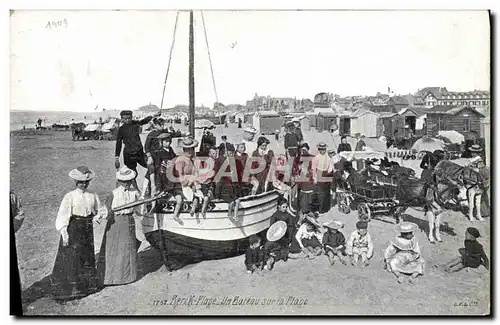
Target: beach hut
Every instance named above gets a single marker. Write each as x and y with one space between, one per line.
391 122
325 121
365 122
410 119
267 122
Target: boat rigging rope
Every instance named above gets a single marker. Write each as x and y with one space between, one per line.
169 59
209 58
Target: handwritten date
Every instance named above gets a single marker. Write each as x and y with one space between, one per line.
472 303
57 24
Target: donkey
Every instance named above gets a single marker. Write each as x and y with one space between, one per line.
471 180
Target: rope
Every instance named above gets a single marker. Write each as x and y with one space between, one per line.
210 59
169 59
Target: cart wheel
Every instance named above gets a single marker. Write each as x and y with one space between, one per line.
364 212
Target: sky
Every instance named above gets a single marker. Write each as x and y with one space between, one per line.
118 59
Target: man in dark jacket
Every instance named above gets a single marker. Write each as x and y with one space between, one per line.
292 141
129 134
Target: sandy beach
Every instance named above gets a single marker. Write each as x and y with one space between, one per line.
39 176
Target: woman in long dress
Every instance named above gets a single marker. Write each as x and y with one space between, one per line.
118 256
403 253
74 274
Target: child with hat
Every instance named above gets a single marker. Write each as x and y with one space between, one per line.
403 253
334 242
473 254
360 244
276 247
309 237
254 255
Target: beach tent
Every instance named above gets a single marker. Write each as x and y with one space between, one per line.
92 127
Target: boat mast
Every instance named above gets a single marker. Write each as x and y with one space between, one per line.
191 75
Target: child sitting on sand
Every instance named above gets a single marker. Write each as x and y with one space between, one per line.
334 242
360 244
254 256
309 238
276 247
473 254
403 253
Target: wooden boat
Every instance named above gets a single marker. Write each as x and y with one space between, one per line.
214 236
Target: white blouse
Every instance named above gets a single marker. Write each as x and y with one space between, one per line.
122 197
79 203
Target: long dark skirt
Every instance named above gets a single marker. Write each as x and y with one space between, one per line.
324 197
74 274
305 201
118 256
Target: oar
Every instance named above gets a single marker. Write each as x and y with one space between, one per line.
140 202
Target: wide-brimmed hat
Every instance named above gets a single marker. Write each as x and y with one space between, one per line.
125 174
276 231
376 162
406 227
312 220
474 232
322 145
125 112
188 142
331 150
262 140
334 224
81 174
475 148
164 135
249 129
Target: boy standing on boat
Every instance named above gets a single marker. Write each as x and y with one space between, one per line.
129 135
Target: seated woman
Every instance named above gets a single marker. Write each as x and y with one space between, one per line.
403 253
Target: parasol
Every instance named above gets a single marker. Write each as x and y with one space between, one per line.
453 136
203 123
428 144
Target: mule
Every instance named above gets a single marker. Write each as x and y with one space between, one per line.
472 181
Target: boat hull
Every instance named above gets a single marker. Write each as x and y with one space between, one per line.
197 238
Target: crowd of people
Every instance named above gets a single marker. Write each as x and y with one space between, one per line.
225 172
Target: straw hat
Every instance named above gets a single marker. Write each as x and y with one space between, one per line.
334 224
188 142
322 145
312 220
164 136
125 174
475 148
405 227
276 231
81 174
